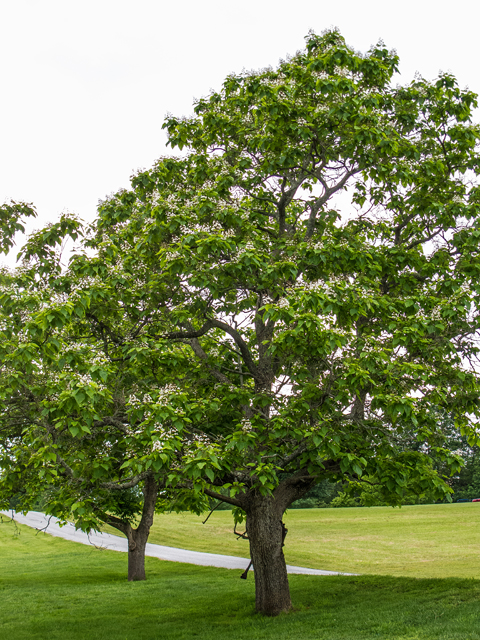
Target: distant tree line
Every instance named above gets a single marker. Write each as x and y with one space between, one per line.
465 484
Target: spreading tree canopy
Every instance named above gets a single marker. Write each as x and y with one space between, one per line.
68 421
303 280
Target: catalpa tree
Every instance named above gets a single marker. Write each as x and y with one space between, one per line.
329 326
71 414
310 264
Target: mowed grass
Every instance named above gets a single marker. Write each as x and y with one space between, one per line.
51 589
422 541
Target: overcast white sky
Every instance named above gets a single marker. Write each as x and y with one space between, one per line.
86 84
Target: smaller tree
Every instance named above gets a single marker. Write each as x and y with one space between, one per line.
71 414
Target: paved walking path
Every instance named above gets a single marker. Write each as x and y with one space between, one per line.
50 525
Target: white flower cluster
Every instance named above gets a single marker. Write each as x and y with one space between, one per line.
155 199
214 227
87 282
321 75
464 288
246 425
126 246
171 432
288 242
248 247
172 255
202 228
341 71
162 395
105 448
201 438
370 347
163 435
319 286
283 303
134 401
316 285
166 392
134 432
81 379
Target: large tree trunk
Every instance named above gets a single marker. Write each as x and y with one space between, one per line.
266 533
137 538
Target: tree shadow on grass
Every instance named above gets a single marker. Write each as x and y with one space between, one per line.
79 592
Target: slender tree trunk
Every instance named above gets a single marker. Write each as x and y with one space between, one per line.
137 542
266 534
137 538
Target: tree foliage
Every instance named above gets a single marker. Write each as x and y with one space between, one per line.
12 220
287 301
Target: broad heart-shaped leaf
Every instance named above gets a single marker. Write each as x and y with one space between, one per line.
210 474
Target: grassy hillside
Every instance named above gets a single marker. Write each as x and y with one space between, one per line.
420 541
51 588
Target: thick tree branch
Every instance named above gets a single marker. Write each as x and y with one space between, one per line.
328 193
293 456
113 521
120 486
242 345
219 496
422 240
188 335
114 486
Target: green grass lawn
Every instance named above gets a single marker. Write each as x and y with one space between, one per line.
428 541
51 589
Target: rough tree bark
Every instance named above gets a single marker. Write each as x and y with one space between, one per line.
266 534
137 538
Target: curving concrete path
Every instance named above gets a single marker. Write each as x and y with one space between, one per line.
49 524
